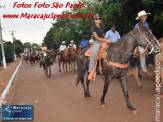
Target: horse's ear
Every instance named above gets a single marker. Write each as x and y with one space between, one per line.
140 24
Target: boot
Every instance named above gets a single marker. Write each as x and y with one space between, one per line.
148 73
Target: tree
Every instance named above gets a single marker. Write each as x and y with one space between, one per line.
9 51
122 13
19 48
27 45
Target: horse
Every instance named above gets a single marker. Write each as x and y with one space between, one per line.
69 57
26 58
54 55
37 57
136 71
32 58
46 63
120 53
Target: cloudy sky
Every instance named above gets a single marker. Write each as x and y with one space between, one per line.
28 30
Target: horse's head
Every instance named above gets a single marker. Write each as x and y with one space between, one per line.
146 39
70 50
50 57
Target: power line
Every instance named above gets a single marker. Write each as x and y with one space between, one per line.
2 6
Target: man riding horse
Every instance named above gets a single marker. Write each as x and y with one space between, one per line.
43 53
142 15
62 49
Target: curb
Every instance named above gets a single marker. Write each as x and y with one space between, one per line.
8 87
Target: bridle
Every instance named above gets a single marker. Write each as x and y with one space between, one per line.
148 42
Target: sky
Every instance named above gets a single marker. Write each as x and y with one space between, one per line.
28 30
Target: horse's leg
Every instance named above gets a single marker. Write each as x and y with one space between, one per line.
105 89
66 67
125 92
59 64
44 69
87 91
72 67
63 66
69 64
49 71
86 95
136 74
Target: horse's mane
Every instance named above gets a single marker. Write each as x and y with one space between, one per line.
119 42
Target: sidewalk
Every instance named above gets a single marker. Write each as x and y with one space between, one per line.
5 75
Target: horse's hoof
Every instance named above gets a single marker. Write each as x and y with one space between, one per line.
103 106
143 89
134 112
88 98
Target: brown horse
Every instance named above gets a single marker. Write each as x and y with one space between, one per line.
46 63
69 57
32 58
139 36
37 57
26 58
137 68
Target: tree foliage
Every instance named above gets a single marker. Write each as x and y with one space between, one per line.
122 13
19 48
27 45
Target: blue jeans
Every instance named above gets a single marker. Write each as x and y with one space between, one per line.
95 51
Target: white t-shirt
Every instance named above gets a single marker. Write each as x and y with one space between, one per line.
91 41
74 46
62 47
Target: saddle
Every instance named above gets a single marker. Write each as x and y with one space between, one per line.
102 52
102 55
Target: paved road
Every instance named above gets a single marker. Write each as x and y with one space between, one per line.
59 100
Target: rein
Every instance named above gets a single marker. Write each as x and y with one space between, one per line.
149 43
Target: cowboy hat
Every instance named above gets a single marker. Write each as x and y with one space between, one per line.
63 42
72 41
141 13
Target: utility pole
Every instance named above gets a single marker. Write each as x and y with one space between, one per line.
12 33
1 39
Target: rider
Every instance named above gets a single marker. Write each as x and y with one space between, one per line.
43 51
73 45
112 34
98 32
62 49
84 43
142 15
26 52
92 40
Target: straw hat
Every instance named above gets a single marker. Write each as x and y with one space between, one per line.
72 41
141 13
63 42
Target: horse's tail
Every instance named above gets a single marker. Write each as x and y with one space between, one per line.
81 69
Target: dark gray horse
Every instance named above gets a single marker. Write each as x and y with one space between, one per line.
119 52
47 62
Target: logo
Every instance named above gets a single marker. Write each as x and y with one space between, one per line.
17 112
